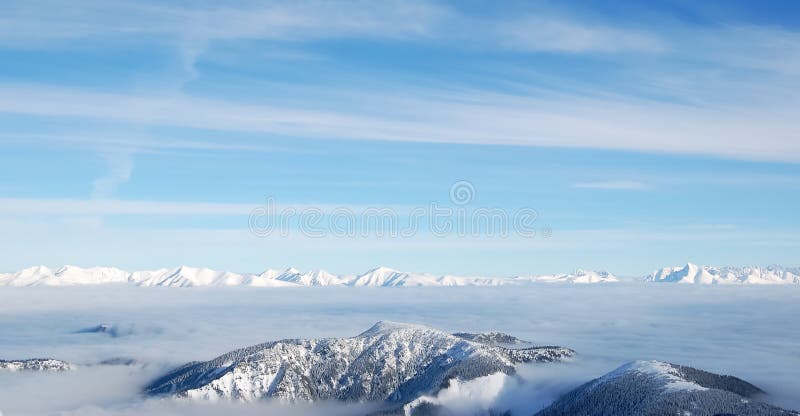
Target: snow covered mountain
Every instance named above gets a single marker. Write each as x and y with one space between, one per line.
386 277
391 362
311 278
580 276
691 273
658 388
65 276
185 276
35 364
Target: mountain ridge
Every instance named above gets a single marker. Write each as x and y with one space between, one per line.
390 362
187 276
691 273
660 388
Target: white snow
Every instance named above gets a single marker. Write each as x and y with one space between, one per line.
662 371
388 353
67 275
580 276
692 273
187 276
35 364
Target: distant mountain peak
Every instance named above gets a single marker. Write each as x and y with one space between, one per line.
696 274
381 269
35 364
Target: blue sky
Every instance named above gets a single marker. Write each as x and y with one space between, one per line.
142 134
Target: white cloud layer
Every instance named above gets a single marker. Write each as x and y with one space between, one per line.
746 338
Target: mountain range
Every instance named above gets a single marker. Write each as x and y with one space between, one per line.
692 273
186 276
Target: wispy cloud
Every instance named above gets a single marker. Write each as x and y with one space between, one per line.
466 116
710 91
80 207
120 168
613 185
194 27
39 24
554 34
71 207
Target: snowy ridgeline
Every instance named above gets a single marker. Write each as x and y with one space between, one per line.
185 276
659 388
394 363
35 364
692 273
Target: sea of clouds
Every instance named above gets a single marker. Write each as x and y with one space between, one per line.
751 332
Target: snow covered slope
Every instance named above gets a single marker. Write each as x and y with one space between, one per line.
580 276
497 339
67 275
391 362
386 277
658 388
35 364
691 273
311 278
185 276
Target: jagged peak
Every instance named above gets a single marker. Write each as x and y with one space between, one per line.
703 274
